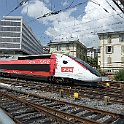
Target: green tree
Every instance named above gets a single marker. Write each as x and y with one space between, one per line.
93 61
119 76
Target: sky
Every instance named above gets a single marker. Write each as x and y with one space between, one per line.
78 19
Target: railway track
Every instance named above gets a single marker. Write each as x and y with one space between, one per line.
23 112
32 109
114 84
115 92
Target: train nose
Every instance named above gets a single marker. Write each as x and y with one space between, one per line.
99 79
96 79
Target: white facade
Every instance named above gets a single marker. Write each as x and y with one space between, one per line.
72 48
111 56
91 52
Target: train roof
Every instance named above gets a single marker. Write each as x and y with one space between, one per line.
30 57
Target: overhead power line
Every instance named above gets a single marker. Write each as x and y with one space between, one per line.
98 28
94 20
67 8
113 8
119 4
19 5
57 12
99 5
105 8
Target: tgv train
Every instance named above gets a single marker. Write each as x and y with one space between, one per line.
55 67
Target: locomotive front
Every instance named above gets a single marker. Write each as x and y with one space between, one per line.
90 73
76 69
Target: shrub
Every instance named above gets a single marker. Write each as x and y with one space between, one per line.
119 76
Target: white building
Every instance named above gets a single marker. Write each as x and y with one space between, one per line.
91 52
73 48
111 56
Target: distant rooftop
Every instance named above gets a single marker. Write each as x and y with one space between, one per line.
65 42
12 17
115 32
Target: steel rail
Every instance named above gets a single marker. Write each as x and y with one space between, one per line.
48 110
39 109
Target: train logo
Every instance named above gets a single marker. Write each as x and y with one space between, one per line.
67 69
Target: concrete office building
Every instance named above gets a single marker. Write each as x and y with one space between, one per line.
17 38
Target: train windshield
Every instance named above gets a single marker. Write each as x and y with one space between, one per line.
90 68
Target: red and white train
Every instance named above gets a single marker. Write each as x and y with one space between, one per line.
53 67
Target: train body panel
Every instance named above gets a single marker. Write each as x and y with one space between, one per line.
52 67
34 73
39 67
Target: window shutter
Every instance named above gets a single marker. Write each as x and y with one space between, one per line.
109 60
122 48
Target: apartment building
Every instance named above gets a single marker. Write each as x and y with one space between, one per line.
111 56
73 48
91 52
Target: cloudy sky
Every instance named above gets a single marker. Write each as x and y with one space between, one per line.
78 19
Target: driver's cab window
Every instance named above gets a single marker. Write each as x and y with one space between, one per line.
65 62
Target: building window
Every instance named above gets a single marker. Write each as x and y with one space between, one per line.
122 48
109 49
122 60
67 47
100 37
58 48
121 38
109 71
9 45
109 39
109 60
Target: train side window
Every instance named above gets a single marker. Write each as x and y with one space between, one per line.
65 62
